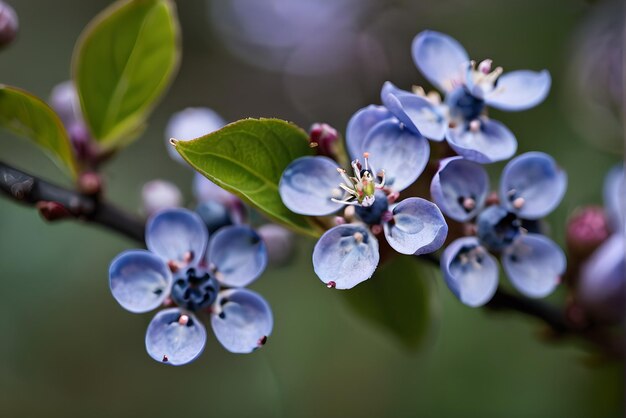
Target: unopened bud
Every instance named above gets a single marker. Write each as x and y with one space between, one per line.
324 138
587 228
64 100
601 289
9 24
52 211
279 242
191 123
205 190
160 194
90 183
214 214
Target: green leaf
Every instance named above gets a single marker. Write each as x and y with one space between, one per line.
398 299
123 63
28 116
247 158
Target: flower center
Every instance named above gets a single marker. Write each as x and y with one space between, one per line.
359 190
373 214
464 108
194 289
469 258
498 228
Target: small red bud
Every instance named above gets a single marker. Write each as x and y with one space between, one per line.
90 183
323 138
52 211
587 228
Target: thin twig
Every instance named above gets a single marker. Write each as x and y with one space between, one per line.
554 317
56 202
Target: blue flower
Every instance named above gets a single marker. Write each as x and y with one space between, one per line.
531 186
194 276
602 286
461 117
347 254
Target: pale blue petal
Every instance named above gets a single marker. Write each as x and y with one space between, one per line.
239 255
416 112
191 123
441 59
170 342
360 124
389 96
402 154
139 280
492 142
177 235
534 265
519 90
470 272
615 198
244 321
308 184
457 180
417 228
602 286
535 180
346 255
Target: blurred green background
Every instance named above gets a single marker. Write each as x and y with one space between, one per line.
68 349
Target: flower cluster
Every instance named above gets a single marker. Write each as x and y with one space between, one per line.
531 186
393 139
192 276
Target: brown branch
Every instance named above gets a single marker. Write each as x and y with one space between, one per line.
56 202
552 316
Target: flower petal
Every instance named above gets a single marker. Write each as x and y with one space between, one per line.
177 235
602 286
441 58
245 320
457 180
239 255
307 185
359 125
534 265
532 185
416 112
519 90
490 143
139 280
346 255
191 123
402 154
418 227
170 340
615 198
470 272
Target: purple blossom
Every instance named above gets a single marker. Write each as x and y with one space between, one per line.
460 117
194 276
531 186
